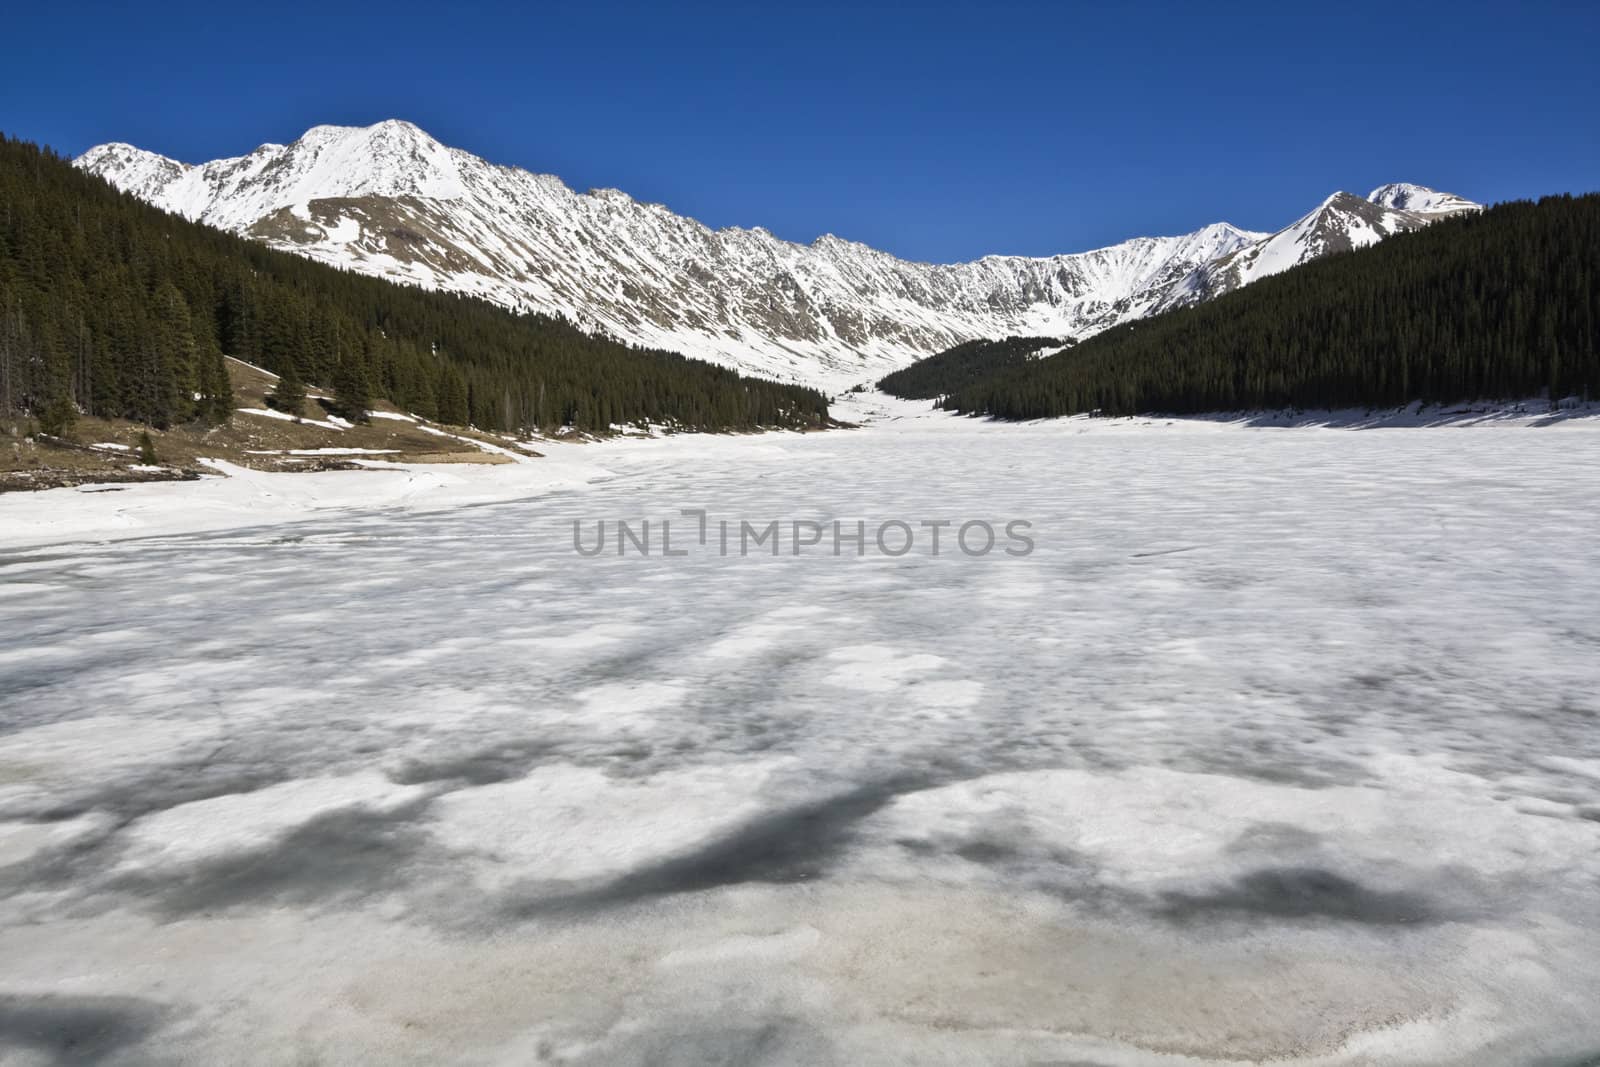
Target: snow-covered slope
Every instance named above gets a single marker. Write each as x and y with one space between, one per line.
392 201
1420 200
1341 223
391 159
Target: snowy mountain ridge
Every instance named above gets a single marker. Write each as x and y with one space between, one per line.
391 201
1341 223
1419 199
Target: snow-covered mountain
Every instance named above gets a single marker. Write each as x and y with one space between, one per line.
390 200
1420 200
1341 223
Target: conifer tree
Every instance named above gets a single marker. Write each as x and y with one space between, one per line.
289 394
57 413
214 391
351 391
174 357
452 397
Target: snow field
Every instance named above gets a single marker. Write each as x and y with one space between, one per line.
1280 746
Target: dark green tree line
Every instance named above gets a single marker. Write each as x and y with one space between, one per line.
1499 305
112 307
963 365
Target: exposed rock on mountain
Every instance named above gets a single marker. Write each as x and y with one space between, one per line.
390 200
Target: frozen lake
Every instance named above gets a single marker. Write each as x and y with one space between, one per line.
1281 744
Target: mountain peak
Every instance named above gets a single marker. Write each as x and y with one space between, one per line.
1342 199
387 131
1341 223
1405 196
387 199
393 158
134 170
389 158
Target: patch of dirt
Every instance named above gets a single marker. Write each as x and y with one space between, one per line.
107 450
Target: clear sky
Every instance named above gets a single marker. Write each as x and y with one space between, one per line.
937 131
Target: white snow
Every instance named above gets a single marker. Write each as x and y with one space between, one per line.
575 824
391 158
22 841
535 244
611 263
343 232
243 497
1307 239
284 416
1342 221
322 451
239 823
1279 748
477 442
1404 196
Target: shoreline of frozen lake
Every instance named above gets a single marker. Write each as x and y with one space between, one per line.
239 498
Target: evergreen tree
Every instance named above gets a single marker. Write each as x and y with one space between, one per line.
289 394
214 402
57 413
174 356
452 394
351 391
53 404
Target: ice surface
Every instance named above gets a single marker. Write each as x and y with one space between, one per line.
1281 746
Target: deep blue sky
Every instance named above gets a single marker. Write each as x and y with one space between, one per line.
938 131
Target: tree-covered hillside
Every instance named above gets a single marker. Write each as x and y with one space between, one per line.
963 365
1498 305
114 308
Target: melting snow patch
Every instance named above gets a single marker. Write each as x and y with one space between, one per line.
565 823
342 232
322 452
23 841
284 416
878 668
205 830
